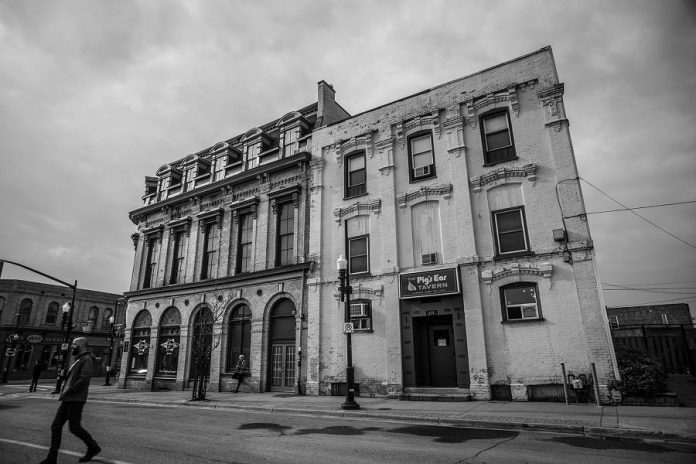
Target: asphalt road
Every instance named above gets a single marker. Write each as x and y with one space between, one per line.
133 434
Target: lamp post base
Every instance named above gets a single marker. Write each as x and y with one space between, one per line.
350 404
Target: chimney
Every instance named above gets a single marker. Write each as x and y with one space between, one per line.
328 110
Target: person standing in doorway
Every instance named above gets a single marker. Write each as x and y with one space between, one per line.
240 371
35 374
72 400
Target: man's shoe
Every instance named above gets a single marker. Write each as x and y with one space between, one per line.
91 452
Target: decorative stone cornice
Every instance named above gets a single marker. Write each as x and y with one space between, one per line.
515 270
374 206
359 142
214 214
248 205
429 121
184 222
527 171
136 238
552 100
443 190
316 167
153 233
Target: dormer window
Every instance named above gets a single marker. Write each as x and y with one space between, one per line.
255 142
292 127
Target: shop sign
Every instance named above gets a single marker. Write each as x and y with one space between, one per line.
34 338
429 283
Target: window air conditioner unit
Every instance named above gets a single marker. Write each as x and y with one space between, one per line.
358 310
420 172
429 258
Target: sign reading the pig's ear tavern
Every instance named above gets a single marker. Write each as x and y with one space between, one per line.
429 283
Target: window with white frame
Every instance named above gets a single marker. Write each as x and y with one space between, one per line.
355 175
361 315
498 145
421 159
520 301
510 231
358 244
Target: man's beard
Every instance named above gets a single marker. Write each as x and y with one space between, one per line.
75 351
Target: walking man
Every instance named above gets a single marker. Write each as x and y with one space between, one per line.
72 399
35 374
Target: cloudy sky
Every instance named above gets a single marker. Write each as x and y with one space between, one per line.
95 95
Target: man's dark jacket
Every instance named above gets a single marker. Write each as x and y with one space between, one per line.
76 386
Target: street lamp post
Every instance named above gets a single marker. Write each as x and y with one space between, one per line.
111 351
68 309
345 290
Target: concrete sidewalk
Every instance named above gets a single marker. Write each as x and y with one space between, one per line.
668 424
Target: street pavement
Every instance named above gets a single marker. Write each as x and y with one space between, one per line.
662 424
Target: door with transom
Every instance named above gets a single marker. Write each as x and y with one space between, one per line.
282 348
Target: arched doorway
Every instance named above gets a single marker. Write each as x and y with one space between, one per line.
201 349
281 365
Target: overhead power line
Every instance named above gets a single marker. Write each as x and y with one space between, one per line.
641 207
629 209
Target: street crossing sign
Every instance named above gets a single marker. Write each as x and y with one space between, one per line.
347 327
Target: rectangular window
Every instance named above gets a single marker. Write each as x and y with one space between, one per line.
520 302
421 157
150 263
510 231
358 244
286 235
356 175
497 138
253 155
665 320
614 322
179 251
289 142
245 243
210 248
361 315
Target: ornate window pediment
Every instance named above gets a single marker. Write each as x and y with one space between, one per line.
527 171
517 270
506 96
426 192
357 143
374 206
424 122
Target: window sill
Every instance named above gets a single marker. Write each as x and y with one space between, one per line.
360 275
356 331
517 254
415 180
355 196
522 321
485 165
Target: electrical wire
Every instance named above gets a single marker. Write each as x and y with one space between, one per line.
628 209
641 207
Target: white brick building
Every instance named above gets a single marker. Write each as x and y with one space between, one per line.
460 212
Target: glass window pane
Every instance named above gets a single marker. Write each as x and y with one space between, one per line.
520 295
514 312
495 123
512 241
422 159
356 162
421 144
358 247
498 140
509 221
529 312
356 177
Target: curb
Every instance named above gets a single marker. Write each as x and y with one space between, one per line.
582 430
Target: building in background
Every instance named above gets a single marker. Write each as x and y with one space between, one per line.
472 267
221 260
665 314
34 313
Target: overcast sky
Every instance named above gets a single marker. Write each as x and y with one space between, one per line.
95 95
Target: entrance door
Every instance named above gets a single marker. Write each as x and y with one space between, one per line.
443 369
281 365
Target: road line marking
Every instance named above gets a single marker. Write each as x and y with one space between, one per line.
68 452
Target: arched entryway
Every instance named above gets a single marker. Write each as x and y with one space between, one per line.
281 343
201 349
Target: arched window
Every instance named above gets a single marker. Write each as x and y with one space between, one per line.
140 343
25 311
2 306
239 341
168 343
92 316
108 312
201 344
52 313
282 346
